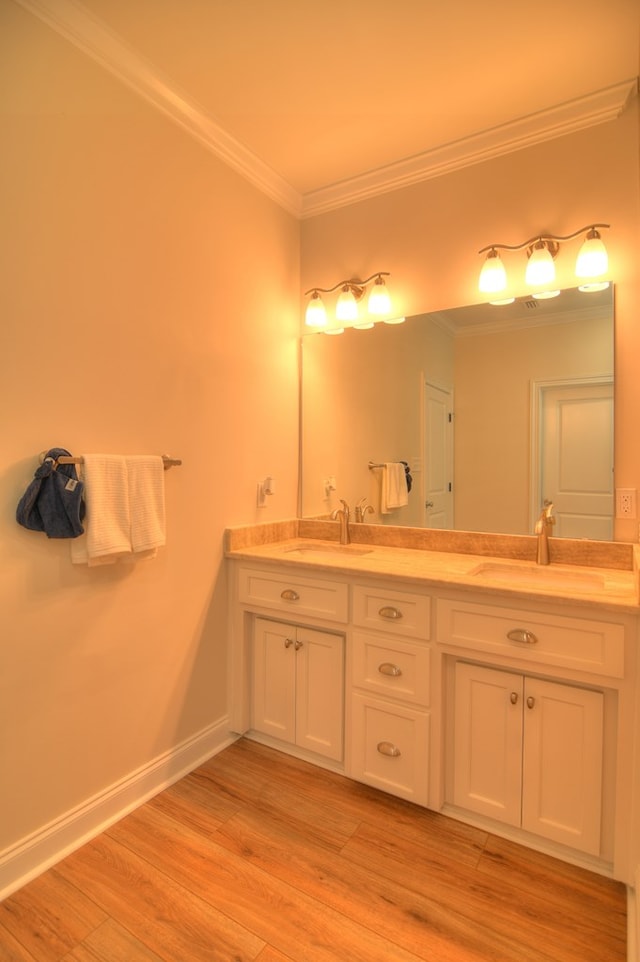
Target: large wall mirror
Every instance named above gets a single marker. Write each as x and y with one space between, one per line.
493 409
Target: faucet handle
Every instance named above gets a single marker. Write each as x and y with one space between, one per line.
362 509
344 510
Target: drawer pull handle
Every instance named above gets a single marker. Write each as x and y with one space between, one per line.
522 635
388 748
392 614
386 668
513 697
289 595
530 701
298 645
288 642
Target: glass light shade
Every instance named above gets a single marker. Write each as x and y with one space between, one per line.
540 268
395 320
363 326
346 306
592 257
315 315
493 277
544 295
379 302
592 288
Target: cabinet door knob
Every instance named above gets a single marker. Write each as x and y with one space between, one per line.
288 642
513 697
388 748
389 612
386 668
530 701
289 595
298 645
523 636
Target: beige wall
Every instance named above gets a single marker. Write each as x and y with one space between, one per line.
428 236
149 304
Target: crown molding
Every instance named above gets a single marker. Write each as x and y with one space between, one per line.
567 118
95 39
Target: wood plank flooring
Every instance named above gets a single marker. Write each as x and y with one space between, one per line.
259 856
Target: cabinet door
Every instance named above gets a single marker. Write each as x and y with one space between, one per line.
274 679
320 692
488 741
562 777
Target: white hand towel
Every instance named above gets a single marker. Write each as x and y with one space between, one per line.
146 502
125 517
394 487
107 527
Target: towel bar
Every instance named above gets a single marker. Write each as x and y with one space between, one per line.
168 462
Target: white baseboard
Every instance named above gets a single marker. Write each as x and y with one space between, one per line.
37 852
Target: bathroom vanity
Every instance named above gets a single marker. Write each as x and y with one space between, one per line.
471 682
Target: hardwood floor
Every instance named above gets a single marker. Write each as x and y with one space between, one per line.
259 856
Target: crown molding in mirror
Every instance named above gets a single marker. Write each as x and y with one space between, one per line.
95 39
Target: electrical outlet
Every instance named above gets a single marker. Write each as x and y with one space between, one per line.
625 503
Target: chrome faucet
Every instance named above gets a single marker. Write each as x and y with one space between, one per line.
343 514
362 509
543 524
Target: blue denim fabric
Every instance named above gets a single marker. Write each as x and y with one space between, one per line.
53 502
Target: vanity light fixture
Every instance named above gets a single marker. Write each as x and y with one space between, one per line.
591 265
347 309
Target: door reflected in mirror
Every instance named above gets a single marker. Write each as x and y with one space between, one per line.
493 409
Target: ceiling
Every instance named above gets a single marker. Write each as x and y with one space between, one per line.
327 99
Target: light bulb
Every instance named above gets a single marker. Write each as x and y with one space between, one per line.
493 277
592 257
346 306
540 268
379 302
315 315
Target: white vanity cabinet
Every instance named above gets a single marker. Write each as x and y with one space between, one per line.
509 711
528 752
536 704
390 692
298 685
288 663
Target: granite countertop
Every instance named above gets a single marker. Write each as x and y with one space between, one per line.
601 576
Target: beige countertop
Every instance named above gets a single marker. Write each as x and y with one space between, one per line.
591 585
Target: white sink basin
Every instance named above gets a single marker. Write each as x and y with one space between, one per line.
539 576
320 547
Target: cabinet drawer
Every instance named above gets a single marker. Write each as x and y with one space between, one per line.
578 643
309 596
391 667
390 748
398 612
